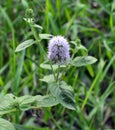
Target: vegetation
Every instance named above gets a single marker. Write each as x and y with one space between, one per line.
37 94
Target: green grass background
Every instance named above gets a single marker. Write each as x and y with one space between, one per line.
94 23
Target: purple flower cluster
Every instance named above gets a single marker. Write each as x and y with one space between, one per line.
58 50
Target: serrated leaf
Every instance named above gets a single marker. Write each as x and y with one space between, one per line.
48 78
26 102
6 125
24 45
83 61
46 101
6 104
10 103
45 36
48 66
29 102
63 93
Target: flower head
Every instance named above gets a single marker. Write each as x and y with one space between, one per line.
58 50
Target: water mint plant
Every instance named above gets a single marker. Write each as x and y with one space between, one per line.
49 70
59 61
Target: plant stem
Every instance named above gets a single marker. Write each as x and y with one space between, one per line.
57 78
41 48
53 70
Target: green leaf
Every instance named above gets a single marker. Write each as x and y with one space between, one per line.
18 73
63 93
6 104
6 125
45 36
83 61
48 78
25 3
46 101
26 102
79 46
29 102
37 26
10 103
83 49
48 66
24 45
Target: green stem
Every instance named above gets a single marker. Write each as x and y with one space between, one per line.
37 38
53 70
58 73
41 48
